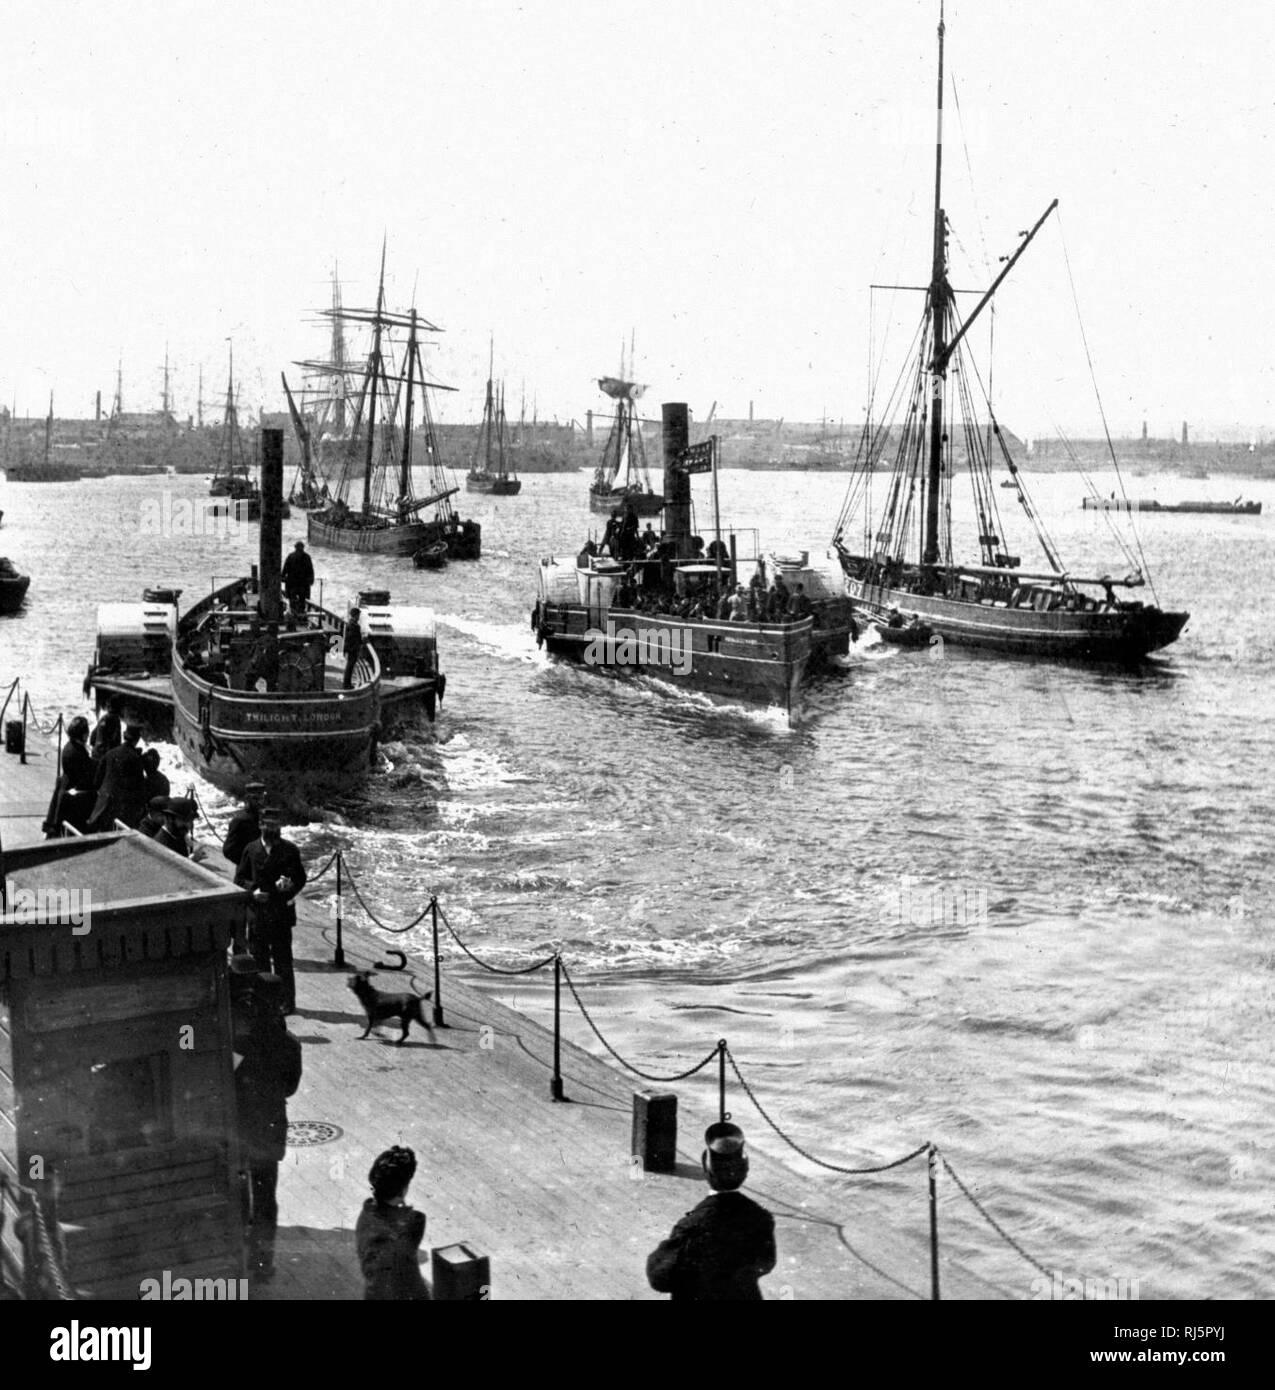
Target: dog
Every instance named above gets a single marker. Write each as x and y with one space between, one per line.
379 1007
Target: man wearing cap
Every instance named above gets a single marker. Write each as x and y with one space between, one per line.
120 782
718 1251
245 824
271 868
298 577
269 1072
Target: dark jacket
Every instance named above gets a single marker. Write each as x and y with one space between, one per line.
716 1252
121 788
269 1073
244 828
77 778
387 1239
107 734
263 868
298 572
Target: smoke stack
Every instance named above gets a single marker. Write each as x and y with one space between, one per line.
677 482
98 412
1184 434
271 555
750 412
588 428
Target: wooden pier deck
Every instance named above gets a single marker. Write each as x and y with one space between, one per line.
25 791
546 1190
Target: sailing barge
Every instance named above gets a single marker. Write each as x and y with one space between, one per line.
374 509
639 614
904 568
491 470
622 478
251 693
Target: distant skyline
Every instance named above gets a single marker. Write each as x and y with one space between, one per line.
721 180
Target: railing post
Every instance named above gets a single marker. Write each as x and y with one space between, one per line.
26 708
338 958
934 1223
438 979
722 1114
58 736
555 1086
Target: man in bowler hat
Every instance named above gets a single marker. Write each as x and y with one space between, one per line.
718 1251
272 870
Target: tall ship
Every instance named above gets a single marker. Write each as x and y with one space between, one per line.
622 478
251 690
322 417
232 477
898 558
492 469
655 610
373 506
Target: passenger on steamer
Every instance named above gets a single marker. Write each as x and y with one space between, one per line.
611 536
298 577
630 545
352 646
650 541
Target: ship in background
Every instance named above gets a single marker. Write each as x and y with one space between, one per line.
898 559
622 478
491 470
373 507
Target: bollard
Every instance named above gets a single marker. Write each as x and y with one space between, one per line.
655 1130
13 739
461 1275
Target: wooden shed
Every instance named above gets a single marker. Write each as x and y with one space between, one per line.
117 1101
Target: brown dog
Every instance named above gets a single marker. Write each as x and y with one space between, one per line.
379 1007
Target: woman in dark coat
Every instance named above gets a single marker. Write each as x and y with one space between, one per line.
73 796
389 1232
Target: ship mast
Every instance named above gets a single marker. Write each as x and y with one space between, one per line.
374 374
940 295
405 473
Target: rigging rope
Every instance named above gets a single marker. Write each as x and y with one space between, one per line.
1101 410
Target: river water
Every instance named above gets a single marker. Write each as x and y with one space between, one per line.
1020 910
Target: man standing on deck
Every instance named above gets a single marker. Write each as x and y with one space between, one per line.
271 867
718 1251
353 646
298 577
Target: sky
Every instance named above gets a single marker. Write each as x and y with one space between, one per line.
718 181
